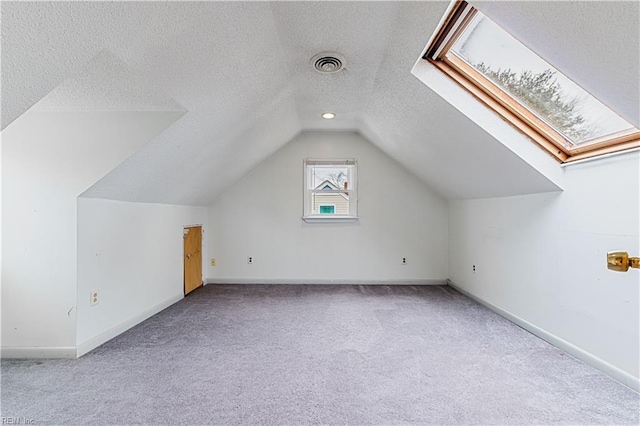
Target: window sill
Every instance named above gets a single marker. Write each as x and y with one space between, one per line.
330 219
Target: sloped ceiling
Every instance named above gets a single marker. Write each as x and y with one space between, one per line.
106 84
241 70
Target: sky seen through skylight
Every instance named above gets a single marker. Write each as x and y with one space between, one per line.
485 45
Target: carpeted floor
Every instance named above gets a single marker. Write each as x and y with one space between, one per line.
291 355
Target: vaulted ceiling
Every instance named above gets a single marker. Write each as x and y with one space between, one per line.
241 71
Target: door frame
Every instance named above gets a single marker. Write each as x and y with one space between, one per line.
184 269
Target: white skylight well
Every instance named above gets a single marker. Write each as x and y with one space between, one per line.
526 90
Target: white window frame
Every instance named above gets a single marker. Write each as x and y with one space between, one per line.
311 216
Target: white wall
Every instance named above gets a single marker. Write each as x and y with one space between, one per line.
48 160
132 255
261 217
542 258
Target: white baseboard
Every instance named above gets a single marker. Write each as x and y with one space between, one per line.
588 358
36 352
94 342
418 281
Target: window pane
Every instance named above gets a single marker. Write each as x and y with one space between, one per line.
329 177
330 203
327 209
536 84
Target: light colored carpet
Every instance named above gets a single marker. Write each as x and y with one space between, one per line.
319 354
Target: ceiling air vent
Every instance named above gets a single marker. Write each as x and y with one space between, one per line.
328 62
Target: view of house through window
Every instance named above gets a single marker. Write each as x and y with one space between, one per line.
521 82
330 189
327 209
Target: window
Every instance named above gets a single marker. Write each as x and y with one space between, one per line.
525 89
330 191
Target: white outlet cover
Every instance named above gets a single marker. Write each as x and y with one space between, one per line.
94 298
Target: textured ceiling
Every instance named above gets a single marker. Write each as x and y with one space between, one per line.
241 71
106 84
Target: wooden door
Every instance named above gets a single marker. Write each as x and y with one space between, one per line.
192 258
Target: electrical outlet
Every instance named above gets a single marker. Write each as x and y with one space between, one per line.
94 298
250 260
404 260
474 269
213 261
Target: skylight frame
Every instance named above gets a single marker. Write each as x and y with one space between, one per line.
440 54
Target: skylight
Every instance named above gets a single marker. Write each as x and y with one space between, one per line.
526 90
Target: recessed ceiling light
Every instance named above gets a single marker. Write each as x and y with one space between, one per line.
328 115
